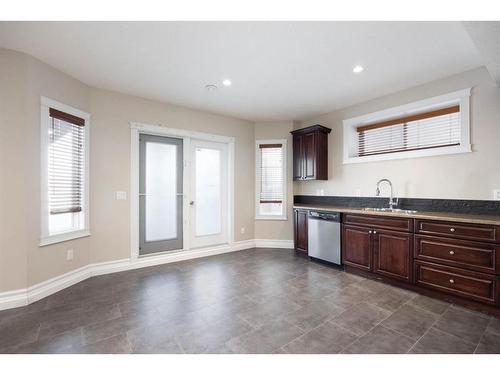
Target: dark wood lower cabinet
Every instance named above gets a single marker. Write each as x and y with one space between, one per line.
387 253
475 256
300 231
438 263
472 285
393 254
357 247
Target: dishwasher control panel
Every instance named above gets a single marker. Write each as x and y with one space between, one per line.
330 216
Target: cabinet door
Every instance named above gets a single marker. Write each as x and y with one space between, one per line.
301 237
309 146
298 156
392 254
357 247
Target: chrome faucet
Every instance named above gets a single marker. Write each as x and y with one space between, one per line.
392 201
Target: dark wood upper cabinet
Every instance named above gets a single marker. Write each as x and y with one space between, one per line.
310 153
297 157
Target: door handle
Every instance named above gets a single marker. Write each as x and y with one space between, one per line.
191 203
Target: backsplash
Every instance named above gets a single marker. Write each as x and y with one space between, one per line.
460 206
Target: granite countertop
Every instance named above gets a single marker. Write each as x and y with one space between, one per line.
444 216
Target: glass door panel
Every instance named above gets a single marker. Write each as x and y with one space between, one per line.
209 187
160 198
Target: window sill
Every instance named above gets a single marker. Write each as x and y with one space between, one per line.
410 154
270 217
62 237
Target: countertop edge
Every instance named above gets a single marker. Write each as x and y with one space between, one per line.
441 216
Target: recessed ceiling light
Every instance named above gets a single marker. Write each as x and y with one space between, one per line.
211 87
358 69
227 82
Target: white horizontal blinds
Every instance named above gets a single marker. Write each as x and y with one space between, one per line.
437 128
271 173
66 162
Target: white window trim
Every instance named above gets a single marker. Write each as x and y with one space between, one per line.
284 216
462 97
45 238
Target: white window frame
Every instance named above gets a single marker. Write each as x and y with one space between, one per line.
46 238
283 216
461 97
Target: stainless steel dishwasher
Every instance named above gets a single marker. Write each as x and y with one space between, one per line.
324 236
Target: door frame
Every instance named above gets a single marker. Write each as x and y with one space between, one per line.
186 135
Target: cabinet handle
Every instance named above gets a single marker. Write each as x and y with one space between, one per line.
452 252
452 281
452 229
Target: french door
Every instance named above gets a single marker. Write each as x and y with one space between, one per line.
182 204
208 200
160 194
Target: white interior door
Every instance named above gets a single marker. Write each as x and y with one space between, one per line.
209 193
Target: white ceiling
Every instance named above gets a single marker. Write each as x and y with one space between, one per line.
486 38
280 70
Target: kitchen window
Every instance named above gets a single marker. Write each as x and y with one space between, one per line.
64 145
270 179
435 126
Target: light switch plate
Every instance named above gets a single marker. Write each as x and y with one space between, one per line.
121 195
69 254
496 194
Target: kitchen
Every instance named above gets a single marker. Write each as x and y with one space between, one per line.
275 197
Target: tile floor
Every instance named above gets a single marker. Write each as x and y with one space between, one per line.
251 301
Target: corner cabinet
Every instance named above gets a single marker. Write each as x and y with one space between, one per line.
310 153
300 231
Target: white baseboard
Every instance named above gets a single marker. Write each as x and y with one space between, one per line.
276 244
23 297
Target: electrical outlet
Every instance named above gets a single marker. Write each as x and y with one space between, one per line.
69 254
121 195
242 230
496 194
320 192
358 192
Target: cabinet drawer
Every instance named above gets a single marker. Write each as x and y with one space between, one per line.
457 230
467 284
384 222
476 256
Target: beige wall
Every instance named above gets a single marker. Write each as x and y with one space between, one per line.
13 190
24 79
277 229
110 171
468 176
48 261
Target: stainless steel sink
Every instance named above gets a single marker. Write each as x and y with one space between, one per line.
395 210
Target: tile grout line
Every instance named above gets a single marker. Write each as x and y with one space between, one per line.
428 329
418 308
367 332
481 338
